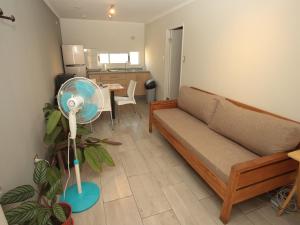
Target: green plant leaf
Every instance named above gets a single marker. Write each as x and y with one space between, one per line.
92 140
51 151
59 212
33 222
53 120
109 142
54 190
18 194
105 156
92 158
23 213
64 124
80 156
53 175
99 155
81 130
43 216
50 138
40 172
48 108
49 222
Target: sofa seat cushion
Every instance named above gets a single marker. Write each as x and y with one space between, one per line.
218 153
261 133
197 103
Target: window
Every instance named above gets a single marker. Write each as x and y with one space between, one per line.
118 57
103 58
133 58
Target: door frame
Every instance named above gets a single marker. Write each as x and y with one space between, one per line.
168 61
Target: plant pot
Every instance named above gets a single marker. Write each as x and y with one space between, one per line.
68 211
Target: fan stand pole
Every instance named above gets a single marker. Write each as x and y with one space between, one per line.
82 195
77 169
73 131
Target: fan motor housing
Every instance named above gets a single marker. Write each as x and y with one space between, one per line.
75 102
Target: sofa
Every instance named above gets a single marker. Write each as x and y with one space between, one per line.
239 150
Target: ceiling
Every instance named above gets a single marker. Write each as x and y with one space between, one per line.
126 10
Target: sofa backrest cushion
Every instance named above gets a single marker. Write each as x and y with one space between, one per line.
197 103
261 133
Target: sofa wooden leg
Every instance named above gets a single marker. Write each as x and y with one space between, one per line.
150 127
150 123
298 188
226 211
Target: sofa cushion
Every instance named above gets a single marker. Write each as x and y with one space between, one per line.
197 103
261 133
215 151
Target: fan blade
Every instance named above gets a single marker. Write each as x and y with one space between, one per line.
89 111
64 101
84 89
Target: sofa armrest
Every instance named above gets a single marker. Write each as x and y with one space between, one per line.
255 177
262 169
168 104
260 162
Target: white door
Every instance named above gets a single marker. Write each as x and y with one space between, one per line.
175 42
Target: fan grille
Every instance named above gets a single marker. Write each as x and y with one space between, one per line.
93 101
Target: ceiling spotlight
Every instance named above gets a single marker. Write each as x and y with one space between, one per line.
112 10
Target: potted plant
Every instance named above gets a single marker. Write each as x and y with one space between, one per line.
89 149
38 205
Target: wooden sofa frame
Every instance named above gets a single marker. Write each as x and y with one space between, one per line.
247 179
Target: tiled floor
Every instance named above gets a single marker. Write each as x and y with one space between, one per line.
152 185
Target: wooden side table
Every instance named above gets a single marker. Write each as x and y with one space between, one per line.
296 188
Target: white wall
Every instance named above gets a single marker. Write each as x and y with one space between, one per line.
29 59
108 36
245 50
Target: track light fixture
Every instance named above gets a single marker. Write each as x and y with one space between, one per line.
111 11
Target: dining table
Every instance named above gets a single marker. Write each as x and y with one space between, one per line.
112 88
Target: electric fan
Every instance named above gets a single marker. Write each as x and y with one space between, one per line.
81 101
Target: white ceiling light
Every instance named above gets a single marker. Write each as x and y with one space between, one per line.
111 12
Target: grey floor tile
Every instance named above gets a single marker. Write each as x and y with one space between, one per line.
148 195
122 212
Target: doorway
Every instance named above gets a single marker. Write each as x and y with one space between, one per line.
174 46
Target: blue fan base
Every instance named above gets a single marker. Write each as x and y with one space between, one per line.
81 202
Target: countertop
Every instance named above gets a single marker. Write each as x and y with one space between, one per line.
114 72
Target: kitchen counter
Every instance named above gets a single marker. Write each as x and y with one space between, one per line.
116 72
122 77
